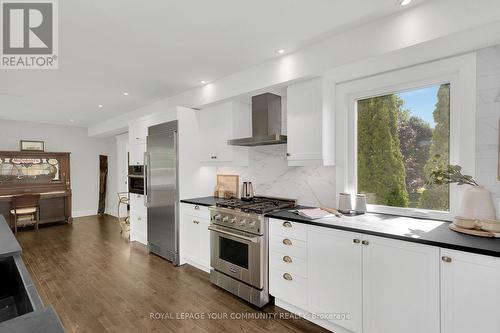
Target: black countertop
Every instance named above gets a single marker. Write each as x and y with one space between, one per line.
41 321
203 201
429 232
8 243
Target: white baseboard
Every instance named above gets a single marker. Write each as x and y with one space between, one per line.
307 316
194 264
81 213
112 212
91 212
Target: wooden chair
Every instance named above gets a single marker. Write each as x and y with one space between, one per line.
25 208
123 199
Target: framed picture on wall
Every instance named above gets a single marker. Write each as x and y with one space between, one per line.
32 145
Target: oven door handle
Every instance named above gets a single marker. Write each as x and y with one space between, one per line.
234 234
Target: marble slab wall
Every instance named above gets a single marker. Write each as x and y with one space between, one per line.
488 115
271 176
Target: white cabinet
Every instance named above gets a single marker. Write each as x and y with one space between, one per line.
195 236
137 132
335 272
400 287
287 262
136 154
470 293
138 219
221 123
349 282
138 228
310 124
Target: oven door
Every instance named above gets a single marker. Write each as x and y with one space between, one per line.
237 254
136 184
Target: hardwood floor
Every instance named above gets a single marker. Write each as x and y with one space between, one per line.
98 282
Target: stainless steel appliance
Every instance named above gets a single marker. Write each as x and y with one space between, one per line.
266 122
239 244
161 191
247 191
136 179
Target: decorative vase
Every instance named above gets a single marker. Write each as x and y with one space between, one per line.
477 203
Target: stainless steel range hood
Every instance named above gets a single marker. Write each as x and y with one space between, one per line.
266 122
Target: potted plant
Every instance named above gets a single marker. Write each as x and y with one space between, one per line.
476 202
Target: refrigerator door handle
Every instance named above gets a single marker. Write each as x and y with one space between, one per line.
146 179
176 182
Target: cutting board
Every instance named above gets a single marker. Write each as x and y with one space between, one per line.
474 232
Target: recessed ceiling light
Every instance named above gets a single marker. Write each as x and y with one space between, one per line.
125 94
203 82
405 2
280 51
100 105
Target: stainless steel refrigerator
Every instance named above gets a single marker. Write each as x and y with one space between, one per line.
162 191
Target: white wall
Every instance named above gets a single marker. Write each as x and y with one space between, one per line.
84 151
488 116
270 175
120 177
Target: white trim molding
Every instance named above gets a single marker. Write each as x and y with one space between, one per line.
459 71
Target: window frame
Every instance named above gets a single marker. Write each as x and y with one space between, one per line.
459 72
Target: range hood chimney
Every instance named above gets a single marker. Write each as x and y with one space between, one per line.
266 122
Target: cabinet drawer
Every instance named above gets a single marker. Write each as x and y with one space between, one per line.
196 211
288 229
137 204
295 247
138 222
293 291
287 263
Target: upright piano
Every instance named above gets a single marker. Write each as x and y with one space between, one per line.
37 172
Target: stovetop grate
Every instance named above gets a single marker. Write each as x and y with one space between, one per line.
259 205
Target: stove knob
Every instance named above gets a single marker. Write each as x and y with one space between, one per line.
243 222
217 218
251 223
232 220
225 219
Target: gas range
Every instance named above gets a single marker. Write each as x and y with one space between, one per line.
239 244
247 216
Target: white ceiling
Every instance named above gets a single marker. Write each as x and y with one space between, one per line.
158 48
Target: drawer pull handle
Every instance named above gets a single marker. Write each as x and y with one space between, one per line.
196 222
287 224
446 259
286 241
287 276
287 259
197 207
365 242
356 241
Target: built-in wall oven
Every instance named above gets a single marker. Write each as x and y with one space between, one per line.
136 179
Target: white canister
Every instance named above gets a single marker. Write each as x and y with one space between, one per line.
360 204
345 203
477 204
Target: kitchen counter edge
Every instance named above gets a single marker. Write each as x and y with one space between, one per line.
440 237
203 201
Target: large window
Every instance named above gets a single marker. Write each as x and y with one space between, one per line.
393 128
401 137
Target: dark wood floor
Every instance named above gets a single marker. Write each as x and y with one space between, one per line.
98 282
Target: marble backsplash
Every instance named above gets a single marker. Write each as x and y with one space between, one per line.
487 118
270 175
